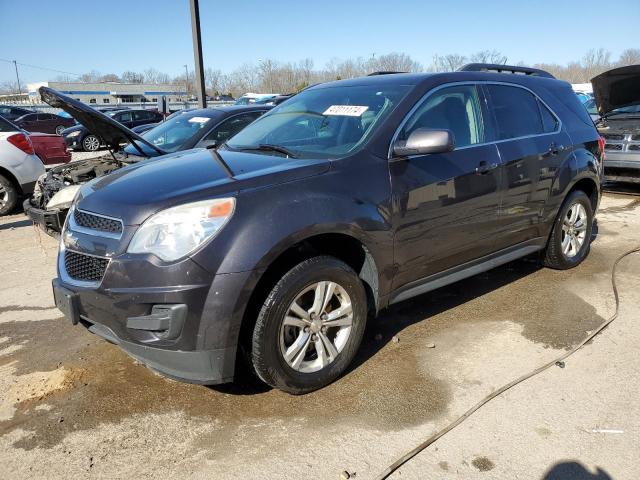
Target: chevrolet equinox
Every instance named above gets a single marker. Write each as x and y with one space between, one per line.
275 247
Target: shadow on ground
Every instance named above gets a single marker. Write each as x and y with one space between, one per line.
574 471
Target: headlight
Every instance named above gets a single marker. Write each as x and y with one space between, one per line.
73 134
174 233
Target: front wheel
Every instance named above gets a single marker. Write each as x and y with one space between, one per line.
90 143
310 326
59 129
570 238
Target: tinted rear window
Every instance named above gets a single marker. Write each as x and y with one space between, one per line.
515 111
5 126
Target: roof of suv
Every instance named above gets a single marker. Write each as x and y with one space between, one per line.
444 77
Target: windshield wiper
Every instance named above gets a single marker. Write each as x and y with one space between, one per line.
267 147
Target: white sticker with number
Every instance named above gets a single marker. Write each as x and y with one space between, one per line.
199 119
346 110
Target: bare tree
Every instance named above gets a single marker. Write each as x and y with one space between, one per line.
132 77
488 56
394 62
110 77
448 63
631 56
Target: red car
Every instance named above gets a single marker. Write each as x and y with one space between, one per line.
44 123
50 148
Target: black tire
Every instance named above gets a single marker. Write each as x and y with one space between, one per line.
554 256
266 355
60 129
8 195
90 143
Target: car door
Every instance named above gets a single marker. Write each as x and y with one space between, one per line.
45 123
531 144
125 118
228 128
445 205
29 122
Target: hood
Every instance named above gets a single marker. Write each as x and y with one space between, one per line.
617 88
113 133
135 192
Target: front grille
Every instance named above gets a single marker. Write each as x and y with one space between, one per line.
84 267
613 136
612 146
635 137
634 147
97 222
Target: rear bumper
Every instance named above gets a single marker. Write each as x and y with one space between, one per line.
51 221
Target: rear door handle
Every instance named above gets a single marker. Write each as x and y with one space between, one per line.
484 167
555 149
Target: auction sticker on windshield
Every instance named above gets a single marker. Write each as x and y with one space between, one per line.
199 119
346 110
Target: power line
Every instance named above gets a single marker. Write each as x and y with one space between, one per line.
39 67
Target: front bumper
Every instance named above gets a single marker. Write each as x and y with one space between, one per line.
202 350
51 221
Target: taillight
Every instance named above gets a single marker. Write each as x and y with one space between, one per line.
21 141
601 142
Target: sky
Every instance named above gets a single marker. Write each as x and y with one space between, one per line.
112 36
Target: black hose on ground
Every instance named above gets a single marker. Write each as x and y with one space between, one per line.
557 361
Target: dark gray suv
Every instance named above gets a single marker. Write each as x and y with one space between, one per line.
348 197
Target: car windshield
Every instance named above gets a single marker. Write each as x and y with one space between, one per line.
172 134
590 105
326 122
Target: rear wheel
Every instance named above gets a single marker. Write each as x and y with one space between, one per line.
310 326
8 195
570 238
90 143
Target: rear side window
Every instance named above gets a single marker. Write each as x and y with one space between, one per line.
516 112
549 121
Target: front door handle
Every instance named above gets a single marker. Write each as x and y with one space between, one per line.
483 167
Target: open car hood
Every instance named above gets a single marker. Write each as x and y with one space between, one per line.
617 88
113 133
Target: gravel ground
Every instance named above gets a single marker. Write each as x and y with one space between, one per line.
73 406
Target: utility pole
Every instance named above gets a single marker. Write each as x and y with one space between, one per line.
15 64
186 81
197 53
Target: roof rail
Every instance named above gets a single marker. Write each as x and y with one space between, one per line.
496 67
384 72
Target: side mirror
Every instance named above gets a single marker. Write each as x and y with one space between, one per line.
423 141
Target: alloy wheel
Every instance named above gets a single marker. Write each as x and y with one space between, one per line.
59 130
316 327
91 143
574 230
4 196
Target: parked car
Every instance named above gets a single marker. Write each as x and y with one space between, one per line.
44 123
11 113
143 128
81 137
50 148
19 166
277 100
207 127
249 98
617 96
592 109
349 197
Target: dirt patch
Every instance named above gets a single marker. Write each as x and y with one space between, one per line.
483 464
26 388
621 208
107 386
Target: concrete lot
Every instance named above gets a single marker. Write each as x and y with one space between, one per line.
74 406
